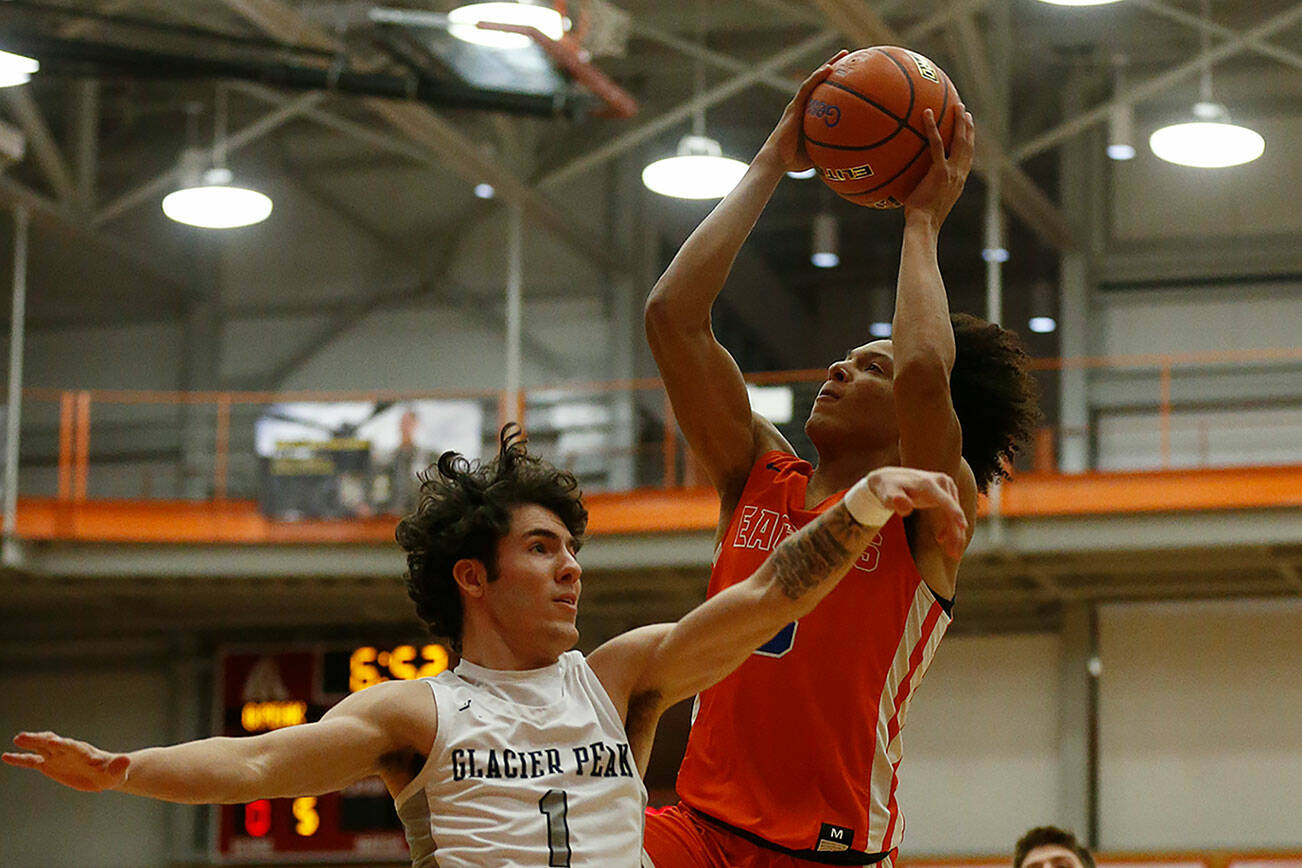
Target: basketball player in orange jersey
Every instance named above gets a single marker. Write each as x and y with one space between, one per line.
527 754
793 758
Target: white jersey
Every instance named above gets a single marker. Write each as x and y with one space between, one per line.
528 769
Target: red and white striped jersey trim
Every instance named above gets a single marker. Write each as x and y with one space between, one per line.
923 630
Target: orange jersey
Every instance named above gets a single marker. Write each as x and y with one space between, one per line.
801 745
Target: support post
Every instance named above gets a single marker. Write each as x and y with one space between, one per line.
67 422
513 408
1078 672
81 447
623 314
9 552
1076 178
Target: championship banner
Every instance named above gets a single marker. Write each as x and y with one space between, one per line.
356 459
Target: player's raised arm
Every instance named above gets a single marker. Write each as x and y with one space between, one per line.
922 336
350 742
648 669
704 383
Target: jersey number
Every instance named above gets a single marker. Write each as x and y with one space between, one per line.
554 807
780 644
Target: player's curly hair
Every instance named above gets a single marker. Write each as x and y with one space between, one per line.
1043 835
995 397
465 508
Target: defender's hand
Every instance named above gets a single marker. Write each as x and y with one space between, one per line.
940 188
787 141
72 763
905 489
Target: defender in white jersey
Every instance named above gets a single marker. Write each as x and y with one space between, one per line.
527 754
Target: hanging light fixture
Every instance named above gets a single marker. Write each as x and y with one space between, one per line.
15 69
463 23
699 170
1041 321
883 311
1210 141
209 199
824 254
1121 119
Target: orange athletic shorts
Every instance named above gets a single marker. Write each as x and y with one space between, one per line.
678 837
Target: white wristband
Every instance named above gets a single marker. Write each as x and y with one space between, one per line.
864 507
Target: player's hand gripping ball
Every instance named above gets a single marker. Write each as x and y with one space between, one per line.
864 128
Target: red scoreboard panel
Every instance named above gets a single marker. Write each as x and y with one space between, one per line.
261 689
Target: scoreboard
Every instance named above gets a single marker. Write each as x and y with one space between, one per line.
261 689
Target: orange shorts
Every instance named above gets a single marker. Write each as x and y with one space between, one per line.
678 837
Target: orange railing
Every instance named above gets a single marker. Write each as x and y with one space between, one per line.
212 431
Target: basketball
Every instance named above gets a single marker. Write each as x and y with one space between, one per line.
864 127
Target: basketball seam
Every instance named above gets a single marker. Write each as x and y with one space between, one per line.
913 94
889 180
900 123
944 105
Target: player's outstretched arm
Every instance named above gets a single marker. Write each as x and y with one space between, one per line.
348 743
704 383
648 669
921 334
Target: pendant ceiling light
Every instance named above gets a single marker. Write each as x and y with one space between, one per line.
1042 320
1121 119
699 170
463 23
15 69
1209 141
208 199
212 202
824 253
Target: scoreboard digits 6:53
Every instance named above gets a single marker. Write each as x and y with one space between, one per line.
262 689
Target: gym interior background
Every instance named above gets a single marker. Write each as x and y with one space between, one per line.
457 237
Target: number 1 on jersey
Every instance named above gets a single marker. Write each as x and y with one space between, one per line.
554 806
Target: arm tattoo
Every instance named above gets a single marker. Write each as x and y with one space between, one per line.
820 551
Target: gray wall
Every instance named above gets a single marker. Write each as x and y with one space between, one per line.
1198 735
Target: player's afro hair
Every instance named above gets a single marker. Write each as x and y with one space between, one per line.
994 396
464 510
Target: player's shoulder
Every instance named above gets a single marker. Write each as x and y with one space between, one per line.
393 702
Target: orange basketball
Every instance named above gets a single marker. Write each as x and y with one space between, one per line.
864 128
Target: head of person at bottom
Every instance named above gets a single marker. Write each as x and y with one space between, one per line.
491 555
1051 847
994 397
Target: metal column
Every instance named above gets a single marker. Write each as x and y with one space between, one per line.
513 403
10 553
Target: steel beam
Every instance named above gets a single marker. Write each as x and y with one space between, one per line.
152 188
428 284
61 217
765 73
43 147
818 42
1260 46
1021 195
466 158
429 130
85 142
1158 83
